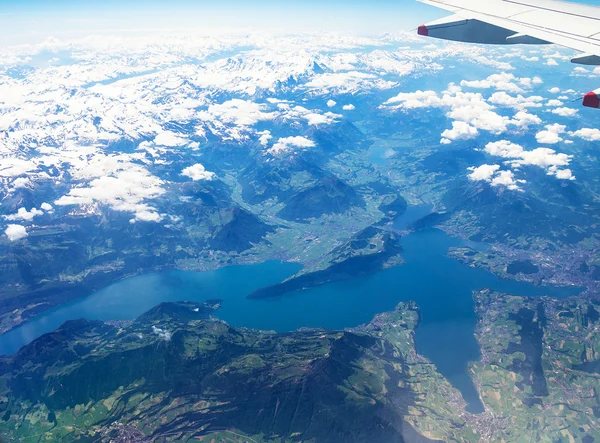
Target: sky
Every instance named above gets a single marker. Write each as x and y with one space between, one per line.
28 21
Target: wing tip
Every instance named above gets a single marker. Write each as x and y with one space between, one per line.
591 100
422 30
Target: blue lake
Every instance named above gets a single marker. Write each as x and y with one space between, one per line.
411 215
441 286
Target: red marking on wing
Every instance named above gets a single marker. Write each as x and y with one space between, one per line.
591 100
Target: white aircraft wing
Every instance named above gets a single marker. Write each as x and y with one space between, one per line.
566 24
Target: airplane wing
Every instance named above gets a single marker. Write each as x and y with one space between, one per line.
566 24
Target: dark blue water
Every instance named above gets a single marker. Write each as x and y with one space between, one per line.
441 286
411 215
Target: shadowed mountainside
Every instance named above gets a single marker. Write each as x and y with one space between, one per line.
176 371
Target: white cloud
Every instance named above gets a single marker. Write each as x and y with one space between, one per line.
21 182
331 103
557 128
168 138
554 103
529 82
580 71
315 119
47 207
264 138
554 90
197 172
523 119
589 134
312 117
504 148
15 232
469 108
503 82
479 115
349 107
413 100
557 55
551 134
545 158
493 62
162 333
472 109
506 179
564 174
519 102
288 143
495 177
114 181
238 112
453 88
460 131
23 214
13 167
565 112
551 62
483 172
146 216
547 137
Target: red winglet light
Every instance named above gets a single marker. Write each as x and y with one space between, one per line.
591 100
423 30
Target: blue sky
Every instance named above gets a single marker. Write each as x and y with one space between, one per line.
17 18
31 19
